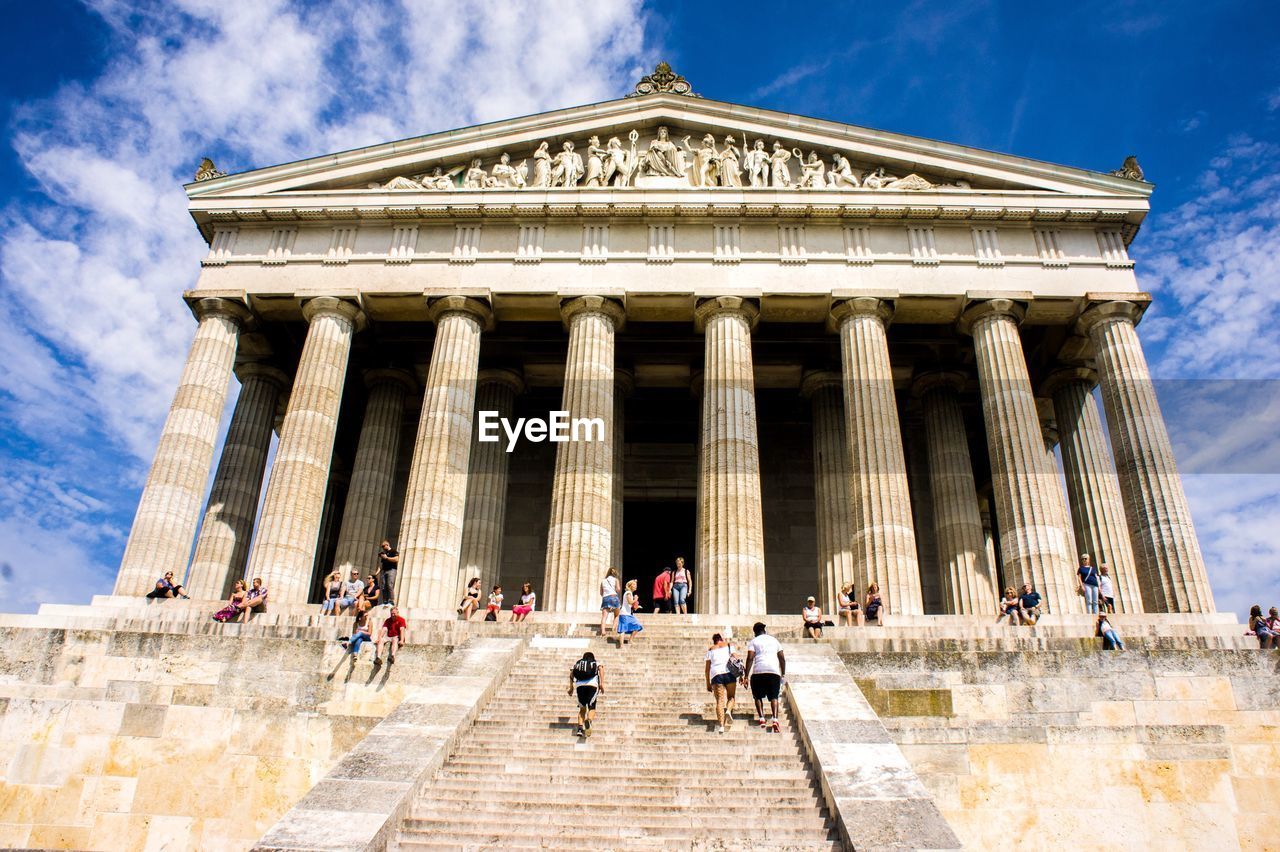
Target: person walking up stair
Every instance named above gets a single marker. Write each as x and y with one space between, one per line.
722 681
585 679
766 666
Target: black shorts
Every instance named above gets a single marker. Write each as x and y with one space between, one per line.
766 687
587 696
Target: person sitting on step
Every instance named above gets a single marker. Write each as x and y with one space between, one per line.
470 599
528 602
395 635
166 588
1259 626
1010 607
812 615
1030 604
255 599
850 612
1104 630
332 591
873 604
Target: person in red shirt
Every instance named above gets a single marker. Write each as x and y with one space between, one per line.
661 590
395 633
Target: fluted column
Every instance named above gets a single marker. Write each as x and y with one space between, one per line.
1093 488
579 539
884 539
223 545
364 515
624 383
1032 542
435 499
486 510
1170 566
731 579
169 507
284 550
1058 509
836 567
969 578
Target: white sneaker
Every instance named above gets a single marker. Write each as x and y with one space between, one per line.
719 729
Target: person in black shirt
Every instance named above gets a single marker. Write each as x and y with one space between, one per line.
388 564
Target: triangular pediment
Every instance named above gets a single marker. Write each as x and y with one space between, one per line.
664 142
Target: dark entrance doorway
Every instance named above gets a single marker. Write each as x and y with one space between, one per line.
657 531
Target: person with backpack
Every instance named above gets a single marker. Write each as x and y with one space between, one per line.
766 665
722 672
1087 584
586 679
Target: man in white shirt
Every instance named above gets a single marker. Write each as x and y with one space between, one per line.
351 590
766 666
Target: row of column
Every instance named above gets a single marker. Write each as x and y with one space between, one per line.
1135 514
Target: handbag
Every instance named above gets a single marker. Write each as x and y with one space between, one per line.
736 668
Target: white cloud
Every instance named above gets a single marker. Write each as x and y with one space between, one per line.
96 331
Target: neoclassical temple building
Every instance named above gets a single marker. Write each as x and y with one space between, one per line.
821 354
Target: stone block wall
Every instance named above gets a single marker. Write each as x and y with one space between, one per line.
1159 748
133 740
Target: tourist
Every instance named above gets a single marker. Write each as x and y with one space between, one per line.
351 591
528 602
470 599
766 666
721 681
873 604
255 599
371 596
1010 607
332 591
395 634
812 614
1273 620
847 601
662 590
388 563
1106 589
586 678
1087 584
1261 627
681 586
628 624
1030 602
233 607
166 588
360 633
1110 639
494 606
610 602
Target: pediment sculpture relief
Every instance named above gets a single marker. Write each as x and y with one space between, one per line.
665 163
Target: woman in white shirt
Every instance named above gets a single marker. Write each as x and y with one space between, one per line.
610 603
720 681
812 619
850 612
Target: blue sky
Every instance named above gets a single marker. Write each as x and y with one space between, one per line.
108 106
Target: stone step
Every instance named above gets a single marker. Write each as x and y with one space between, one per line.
462 795
608 775
603 744
524 809
719 844
675 827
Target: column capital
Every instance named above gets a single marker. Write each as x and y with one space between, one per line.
232 309
1016 311
881 309
624 381
941 379
577 306
1066 376
501 376
817 380
1107 312
262 370
333 306
390 375
443 306
748 309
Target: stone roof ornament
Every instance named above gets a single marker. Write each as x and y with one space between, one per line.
663 79
208 171
1130 170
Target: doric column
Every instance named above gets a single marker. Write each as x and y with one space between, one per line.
1093 488
579 539
1058 510
624 383
435 499
989 538
731 579
223 545
486 510
825 390
284 550
969 578
1033 546
884 539
1170 566
169 507
364 516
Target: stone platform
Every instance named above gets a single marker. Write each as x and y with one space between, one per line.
133 724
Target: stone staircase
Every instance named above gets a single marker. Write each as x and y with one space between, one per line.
652 774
